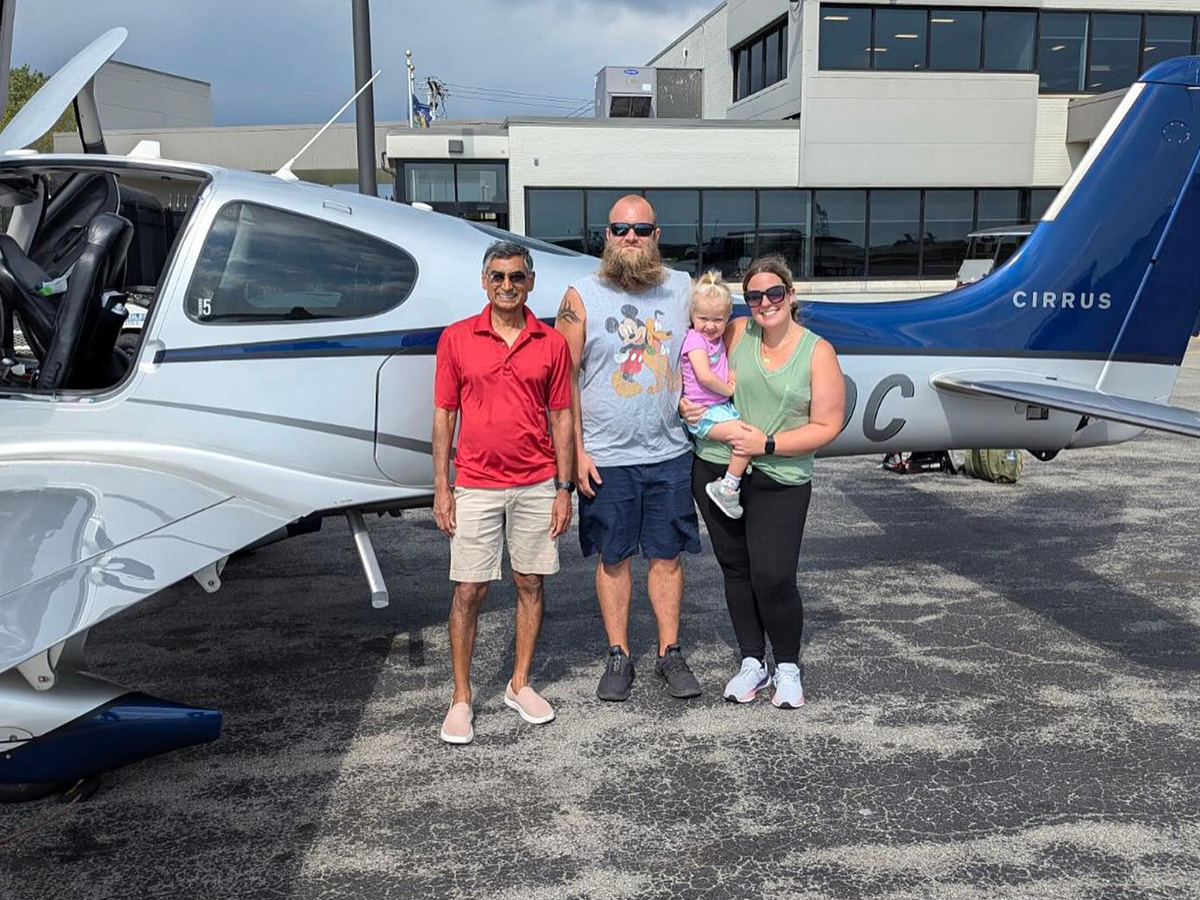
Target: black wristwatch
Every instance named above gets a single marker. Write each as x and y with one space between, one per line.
568 486
769 449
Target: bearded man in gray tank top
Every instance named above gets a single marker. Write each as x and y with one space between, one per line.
624 326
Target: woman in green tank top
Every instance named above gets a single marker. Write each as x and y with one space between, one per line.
789 396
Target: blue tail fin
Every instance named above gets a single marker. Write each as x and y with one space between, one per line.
1112 271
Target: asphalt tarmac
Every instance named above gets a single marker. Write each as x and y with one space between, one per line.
1002 702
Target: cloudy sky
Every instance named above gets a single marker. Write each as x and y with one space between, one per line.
273 61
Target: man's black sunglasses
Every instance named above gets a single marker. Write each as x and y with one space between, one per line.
641 229
517 278
775 294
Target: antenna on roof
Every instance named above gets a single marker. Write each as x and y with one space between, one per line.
285 171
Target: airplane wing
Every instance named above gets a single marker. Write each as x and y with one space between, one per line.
81 541
1077 399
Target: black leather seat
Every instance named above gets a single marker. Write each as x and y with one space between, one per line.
56 246
20 278
82 353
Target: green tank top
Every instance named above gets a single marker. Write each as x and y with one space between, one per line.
772 401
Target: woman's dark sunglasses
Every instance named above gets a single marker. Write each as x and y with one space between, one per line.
775 294
641 229
517 278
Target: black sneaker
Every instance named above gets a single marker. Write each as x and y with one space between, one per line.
617 680
673 669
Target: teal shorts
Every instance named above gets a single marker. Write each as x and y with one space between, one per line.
714 415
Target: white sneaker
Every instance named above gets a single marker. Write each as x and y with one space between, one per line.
789 693
745 685
725 498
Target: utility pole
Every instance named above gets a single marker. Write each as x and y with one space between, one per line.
364 110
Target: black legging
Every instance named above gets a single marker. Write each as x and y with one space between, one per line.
759 554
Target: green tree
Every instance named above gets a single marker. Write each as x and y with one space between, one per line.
23 83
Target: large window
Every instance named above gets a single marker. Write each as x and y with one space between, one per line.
949 218
877 233
599 202
727 232
482 183
954 40
1008 40
783 226
1072 52
429 182
1062 49
261 264
899 43
678 215
839 234
761 61
895 234
998 207
1116 39
845 37
556 216
1166 38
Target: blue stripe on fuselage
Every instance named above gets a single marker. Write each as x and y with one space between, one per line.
420 341
849 338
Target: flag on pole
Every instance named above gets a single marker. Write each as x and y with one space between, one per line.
422 113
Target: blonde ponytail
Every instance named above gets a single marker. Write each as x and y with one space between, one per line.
711 285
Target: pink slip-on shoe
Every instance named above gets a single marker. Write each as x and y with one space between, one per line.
457 727
532 708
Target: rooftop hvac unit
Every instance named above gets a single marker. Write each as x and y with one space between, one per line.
648 93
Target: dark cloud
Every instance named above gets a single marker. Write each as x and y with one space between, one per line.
272 61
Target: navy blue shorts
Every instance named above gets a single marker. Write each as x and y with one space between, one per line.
647 508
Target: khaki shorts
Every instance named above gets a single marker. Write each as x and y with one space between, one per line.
486 517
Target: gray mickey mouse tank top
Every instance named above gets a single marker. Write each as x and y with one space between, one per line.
629 380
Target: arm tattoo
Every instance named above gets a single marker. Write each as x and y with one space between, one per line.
566 313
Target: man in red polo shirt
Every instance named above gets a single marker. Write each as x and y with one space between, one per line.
509 377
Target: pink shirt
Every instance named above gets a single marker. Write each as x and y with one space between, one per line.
718 361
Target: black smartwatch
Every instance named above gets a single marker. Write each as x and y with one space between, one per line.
568 486
769 449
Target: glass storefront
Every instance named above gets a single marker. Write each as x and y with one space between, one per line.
879 233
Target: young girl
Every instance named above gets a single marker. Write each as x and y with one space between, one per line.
708 381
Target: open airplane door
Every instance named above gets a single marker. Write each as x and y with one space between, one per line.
73 83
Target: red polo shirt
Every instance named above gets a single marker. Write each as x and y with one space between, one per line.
502 394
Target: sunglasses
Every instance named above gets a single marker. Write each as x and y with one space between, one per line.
517 279
641 229
775 294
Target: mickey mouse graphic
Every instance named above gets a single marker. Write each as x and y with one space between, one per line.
642 346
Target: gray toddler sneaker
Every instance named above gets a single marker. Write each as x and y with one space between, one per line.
726 499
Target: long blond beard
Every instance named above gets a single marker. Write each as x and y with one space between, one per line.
633 272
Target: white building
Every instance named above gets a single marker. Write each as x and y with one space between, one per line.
130 96
863 141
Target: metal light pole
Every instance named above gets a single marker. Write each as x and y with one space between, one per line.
364 110
408 64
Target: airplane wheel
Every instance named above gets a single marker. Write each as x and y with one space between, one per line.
24 793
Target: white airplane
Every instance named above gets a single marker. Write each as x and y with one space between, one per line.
284 373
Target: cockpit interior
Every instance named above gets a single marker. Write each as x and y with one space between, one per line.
81 259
